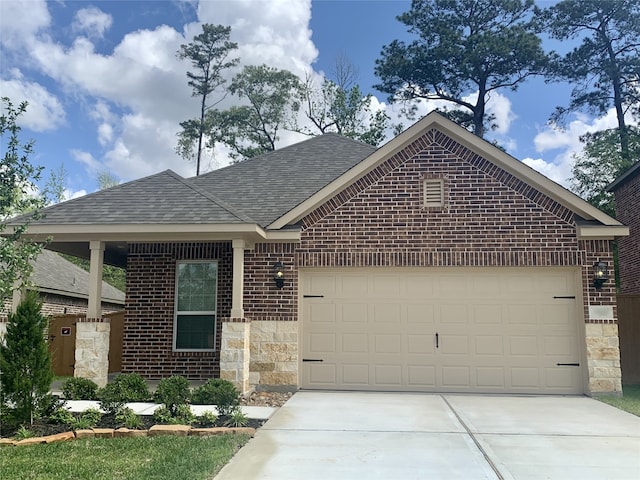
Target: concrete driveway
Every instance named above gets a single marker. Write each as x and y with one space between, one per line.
355 435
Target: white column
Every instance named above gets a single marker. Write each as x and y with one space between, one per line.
18 295
237 306
94 309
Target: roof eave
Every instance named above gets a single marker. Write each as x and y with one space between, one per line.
159 232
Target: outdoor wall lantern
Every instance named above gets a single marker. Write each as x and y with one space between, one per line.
600 274
278 274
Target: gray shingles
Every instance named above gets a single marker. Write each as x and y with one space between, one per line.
54 273
259 190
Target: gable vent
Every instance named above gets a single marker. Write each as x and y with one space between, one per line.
434 192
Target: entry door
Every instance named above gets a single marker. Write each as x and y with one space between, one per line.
455 330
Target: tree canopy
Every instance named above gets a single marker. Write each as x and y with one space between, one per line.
269 103
465 49
605 67
17 188
209 55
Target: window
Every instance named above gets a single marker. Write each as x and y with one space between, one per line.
196 292
434 193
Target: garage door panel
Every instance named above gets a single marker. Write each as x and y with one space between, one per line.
387 375
355 343
355 374
498 330
388 344
322 343
421 376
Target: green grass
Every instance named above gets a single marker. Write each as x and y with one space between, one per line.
155 458
629 401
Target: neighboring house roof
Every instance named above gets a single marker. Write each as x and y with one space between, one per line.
54 274
264 198
625 177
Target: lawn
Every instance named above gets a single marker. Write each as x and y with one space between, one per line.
629 402
155 458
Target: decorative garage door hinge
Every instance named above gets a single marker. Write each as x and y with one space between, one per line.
568 364
313 296
571 296
312 360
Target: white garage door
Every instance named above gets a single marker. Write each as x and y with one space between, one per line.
450 330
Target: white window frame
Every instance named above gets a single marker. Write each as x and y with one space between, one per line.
177 312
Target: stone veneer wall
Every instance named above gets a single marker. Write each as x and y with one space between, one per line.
274 355
234 354
92 349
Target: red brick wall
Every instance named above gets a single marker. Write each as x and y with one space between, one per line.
627 198
60 305
490 219
148 329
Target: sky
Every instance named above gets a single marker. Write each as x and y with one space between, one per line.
106 91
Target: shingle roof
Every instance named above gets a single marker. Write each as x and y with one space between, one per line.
53 273
161 198
258 190
268 186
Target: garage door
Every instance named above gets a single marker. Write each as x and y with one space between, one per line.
451 330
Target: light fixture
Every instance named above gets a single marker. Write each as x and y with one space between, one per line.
600 274
278 274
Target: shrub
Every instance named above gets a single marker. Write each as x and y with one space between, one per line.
77 388
62 416
237 418
183 415
128 419
91 417
173 392
25 361
207 419
125 388
221 393
23 433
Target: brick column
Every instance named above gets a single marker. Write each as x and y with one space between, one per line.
234 353
92 349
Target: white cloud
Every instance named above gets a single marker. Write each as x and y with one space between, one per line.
21 20
558 172
92 165
92 21
44 112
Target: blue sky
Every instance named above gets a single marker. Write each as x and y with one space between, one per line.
107 93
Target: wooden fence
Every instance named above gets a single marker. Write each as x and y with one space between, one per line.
62 342
629 332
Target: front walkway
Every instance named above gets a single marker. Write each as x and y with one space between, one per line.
349 435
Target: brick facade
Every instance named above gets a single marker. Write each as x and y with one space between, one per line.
490 219
627 199
148 331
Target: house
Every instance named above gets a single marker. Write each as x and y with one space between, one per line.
626 189
434 263
63 287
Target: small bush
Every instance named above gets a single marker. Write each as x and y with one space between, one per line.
91 416
207 419
237 418
125 388
183 415
77 388
23 433
62 416
221 393
128 419
173 392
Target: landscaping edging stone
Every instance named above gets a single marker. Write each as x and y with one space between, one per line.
156 430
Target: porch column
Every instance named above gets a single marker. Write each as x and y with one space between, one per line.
92 332
237 306
94 309
18 296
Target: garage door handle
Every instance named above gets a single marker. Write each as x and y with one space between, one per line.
437 340
568 364
312 360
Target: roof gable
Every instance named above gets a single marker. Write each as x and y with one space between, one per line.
450 135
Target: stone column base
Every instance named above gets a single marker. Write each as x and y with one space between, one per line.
234 354
92 350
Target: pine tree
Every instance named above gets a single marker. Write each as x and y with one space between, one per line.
25 361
